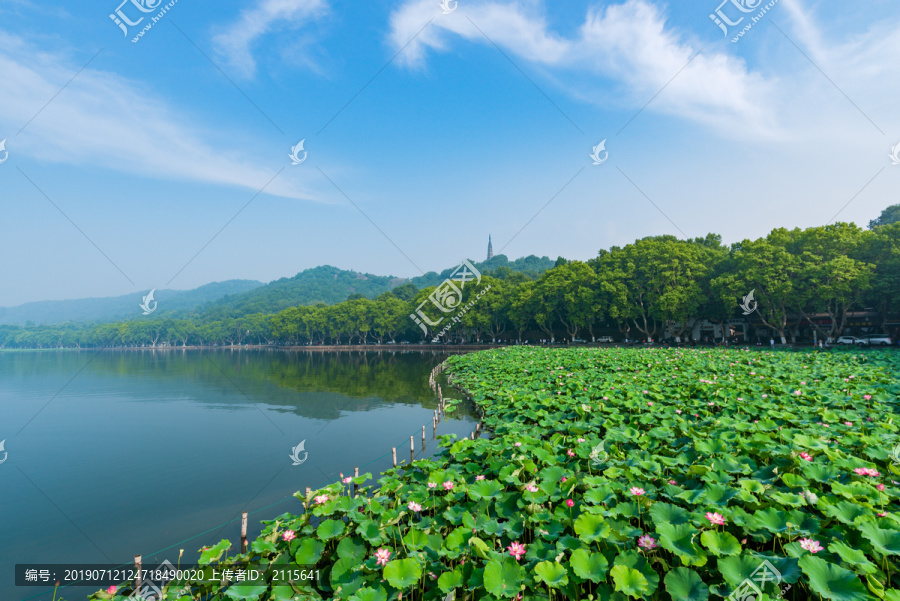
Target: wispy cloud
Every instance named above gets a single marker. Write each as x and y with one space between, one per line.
235 43
630 46
104 119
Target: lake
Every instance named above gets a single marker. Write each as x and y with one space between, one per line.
117 453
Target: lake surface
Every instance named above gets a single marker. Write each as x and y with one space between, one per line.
118 453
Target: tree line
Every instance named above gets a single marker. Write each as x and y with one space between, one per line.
654 286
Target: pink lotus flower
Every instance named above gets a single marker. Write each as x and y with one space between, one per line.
649 403
479 478
448 485
289 535
636 491
865 471
848 424
580 440
867 397
563 478
413 506
811 545
647 542
797 392
678 411
432 485
672 482
570 503
518 444
382 555
715 518
347 480
882 515
879 486
570 453
710 403
517 550
806 456
531 488
112 590
321 499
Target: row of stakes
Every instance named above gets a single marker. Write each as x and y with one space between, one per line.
438 416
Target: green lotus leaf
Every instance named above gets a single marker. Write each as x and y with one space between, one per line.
309 551
886 542
720 543
485 489
351 548
686 585
214 553
403 573
551 573
590 527
853 557
370 594
344 575
832 581
503 578
449 581
589 566
629 581
329 529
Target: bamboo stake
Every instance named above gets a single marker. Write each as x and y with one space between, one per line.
137 574
412 449
423 437
243 532
355 485
394 453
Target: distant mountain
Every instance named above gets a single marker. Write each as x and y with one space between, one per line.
120 307
324 284
330 285
234 298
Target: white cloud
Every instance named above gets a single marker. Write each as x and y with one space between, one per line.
632 45
103 119
235 43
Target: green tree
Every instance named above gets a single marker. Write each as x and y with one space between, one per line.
888 216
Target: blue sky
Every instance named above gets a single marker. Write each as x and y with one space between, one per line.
127 158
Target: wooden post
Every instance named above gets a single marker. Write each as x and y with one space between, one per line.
243 532
423 437
355 485
412 449
394 453
308 490
137 574
434 427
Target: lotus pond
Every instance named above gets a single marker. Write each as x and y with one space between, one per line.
616 474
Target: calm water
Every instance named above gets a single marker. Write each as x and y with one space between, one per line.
115 454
